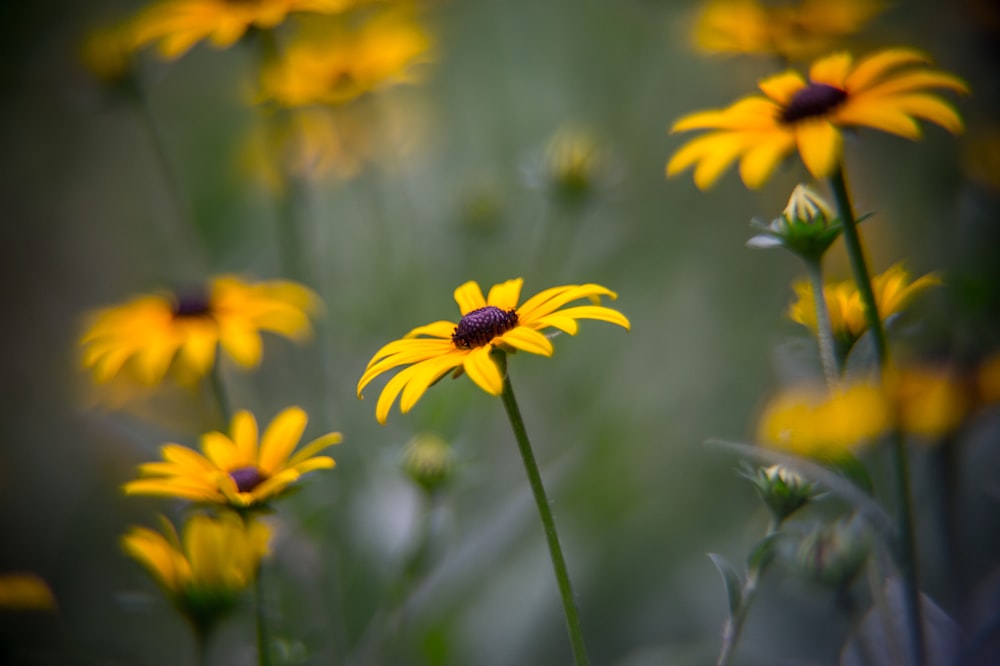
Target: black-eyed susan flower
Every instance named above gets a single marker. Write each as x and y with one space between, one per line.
788 29
150 334
25 591
888 91
333 63
894 290
204 573
177 25
496 321
236 469
817 422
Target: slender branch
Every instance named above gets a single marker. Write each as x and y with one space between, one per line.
824 330
544 512
905 549
260 617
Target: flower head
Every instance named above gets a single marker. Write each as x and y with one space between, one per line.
336 64
202 574
177 25
789 30
893 291
234 469
807 227
928 401
782 490
888 91
819 423
496 321
151 333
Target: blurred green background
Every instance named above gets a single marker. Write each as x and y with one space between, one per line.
618 419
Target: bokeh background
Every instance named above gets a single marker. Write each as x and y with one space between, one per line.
461 191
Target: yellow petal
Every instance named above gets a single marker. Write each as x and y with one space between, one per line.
873 67
243 344
759 162
528 340
782 87
597 312
878 115
819 145
438 329
469 297
415 355
506 294
933 109
426 374
314 447
221 451
244 435
832 70
483 371
280 438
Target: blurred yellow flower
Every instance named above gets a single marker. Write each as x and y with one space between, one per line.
492 322
107 52
928 401
202 575
25 591
234 470
893 292
177 25
573 161
988 379
333 63
887 91
815 422
788 30
148 334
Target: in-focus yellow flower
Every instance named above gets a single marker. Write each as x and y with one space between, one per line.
788 30
887 91
147 334
928 401
202 575
893 291
814 422
496 321
177 25
234 470
334 63
25 591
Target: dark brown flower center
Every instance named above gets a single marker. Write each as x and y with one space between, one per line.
816 99
247 478
192 304
480 326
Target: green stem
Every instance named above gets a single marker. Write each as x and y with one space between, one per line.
905 549
734 625
218 388
544 512
260 616
824 331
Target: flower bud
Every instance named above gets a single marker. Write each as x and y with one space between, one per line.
428 460
807 226
782 490
834 554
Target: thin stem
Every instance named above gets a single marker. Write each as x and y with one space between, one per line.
905 549
260 616
544 512
218 388
734 624
824 331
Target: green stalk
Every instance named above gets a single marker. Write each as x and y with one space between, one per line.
544 512
218 388
905 549
260 616
824 331
734 624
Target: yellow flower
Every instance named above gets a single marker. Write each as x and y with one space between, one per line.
788 30
814 422
927 401
893 292
25 591
234 470
149 333
177 25
487 323
887 91
217 559
333 64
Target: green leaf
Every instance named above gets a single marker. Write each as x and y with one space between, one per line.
731 579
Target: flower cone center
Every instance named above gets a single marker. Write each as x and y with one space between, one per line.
480 326
816 99
247 478
192 304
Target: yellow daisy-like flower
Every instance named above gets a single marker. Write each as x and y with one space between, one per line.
202 574
788 30
928 401
487 323
334 63
177 25
893 291
888 91
148 334
234 470
814 422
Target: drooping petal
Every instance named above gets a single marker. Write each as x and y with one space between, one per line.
438 329
552 299
314 447
759 163
819 144
528 340
243 344
872 68
727 149
415 355
878 115
484 371
428 372
917 80
933 109
586 312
